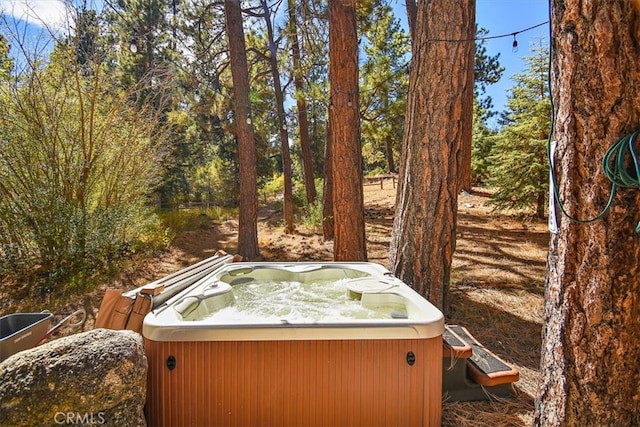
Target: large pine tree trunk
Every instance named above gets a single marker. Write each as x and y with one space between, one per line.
467 123
424 229
591 339
327 195
282 123
344 118
248 222
303 120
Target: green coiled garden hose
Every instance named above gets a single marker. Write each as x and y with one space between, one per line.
615 167
620 165
613 162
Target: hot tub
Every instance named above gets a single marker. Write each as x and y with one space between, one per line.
299 344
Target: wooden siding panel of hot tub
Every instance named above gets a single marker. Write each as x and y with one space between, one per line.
295 383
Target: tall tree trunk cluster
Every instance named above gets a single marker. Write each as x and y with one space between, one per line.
424 229
303 119
244 130
591 338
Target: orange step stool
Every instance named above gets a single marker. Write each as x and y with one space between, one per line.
472 372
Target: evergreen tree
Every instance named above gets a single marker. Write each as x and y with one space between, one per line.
518 159
314 53
482 143
143 33
203 153
87 38
487 71
384 81
306 154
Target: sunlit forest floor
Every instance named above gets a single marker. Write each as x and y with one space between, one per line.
496 289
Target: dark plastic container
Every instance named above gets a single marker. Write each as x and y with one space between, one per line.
22 331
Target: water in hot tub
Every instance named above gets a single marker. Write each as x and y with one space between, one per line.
298 302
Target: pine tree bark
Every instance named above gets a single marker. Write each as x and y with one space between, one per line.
389 152
248 221
591 337
467 122
301 104
412 12
424 229
344 118
327 196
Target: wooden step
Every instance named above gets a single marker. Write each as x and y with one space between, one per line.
483 366
454 346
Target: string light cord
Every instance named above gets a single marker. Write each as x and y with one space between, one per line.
621 157
515 33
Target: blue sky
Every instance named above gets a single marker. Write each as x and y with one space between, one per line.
506 17
32 21
50 13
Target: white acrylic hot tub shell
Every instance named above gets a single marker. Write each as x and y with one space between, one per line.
424 320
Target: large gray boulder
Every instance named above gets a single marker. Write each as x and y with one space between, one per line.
92 378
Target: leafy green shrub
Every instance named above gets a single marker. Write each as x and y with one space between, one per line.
216 184
77 163
272 188
376 171
312 217
299 194
178 221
